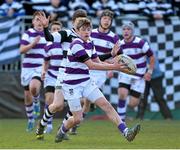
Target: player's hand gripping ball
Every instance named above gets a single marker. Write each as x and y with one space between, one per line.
129 62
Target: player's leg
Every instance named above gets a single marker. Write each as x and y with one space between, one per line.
49 96
29 108
137 88
26 75
123 91
57 105
34 87
75 119
99 99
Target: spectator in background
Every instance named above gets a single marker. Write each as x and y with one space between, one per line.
156 85
78 4
99 5
131 7
176 6
33 5
56 10
158 9
11 8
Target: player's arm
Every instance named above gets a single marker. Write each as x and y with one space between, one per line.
26 47
45 67
151 64
151 57
55 37
113 52
105 56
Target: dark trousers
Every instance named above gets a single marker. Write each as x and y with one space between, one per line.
158 91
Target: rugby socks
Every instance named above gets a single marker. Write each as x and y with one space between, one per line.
36 100
121 109
122 127
50 119
29 112
47 115
63 129
68 114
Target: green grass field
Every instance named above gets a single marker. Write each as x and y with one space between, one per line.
93 135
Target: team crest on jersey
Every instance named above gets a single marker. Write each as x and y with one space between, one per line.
108 44
136 50
71 91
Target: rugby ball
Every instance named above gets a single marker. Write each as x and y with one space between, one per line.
129 62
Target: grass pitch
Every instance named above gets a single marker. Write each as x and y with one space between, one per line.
93 135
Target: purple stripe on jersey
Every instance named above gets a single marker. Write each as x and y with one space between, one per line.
141 43
57 57
80 53
103 36
94 56
139 75
149 53
87 46
141 65
130 45
37 46
76 71
54 45
54 67
34 56
137 56
52 75
102 49
73 82
29 65
24 42
31 34
73 59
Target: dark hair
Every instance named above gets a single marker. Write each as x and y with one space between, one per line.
79 13
55 23
107 12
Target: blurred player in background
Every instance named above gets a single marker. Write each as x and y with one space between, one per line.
64 37
104 41
32 46
52 62
133 85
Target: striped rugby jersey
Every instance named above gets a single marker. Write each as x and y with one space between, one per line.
35 56
54 54
138 50
65 42
76 70
103 42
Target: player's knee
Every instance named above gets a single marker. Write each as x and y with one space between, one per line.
133 103
57 107
122 96
77 120
34 91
